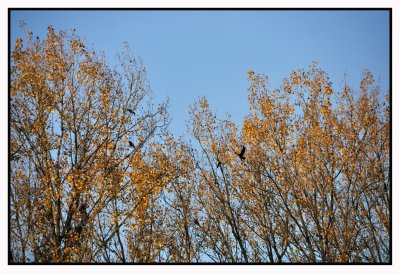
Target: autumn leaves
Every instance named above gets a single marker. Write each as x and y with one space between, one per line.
305 179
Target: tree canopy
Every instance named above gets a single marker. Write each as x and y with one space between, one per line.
96 176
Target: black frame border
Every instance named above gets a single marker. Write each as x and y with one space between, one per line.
389 9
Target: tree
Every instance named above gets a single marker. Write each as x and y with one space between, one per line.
75 180
314 186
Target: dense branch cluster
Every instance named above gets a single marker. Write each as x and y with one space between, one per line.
96 176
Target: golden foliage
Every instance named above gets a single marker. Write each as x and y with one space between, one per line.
96 177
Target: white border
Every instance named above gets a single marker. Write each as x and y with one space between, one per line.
5 4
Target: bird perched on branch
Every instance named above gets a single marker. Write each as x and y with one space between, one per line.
196 221
218 163
242 153
131 144
131 111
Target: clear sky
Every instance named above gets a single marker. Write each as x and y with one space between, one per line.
189 54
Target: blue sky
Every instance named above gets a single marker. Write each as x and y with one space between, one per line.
189 53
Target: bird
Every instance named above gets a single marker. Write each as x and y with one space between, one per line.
131 144
78 229
242 153
131 111
218 164
196 221
82 208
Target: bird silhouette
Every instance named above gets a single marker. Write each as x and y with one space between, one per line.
131 111
242 153
218 164
131 144
78 229
196 221
82 208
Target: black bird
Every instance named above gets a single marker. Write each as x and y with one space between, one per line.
218 163
131 144
79 229
242 153
196 221
131 111
82 208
